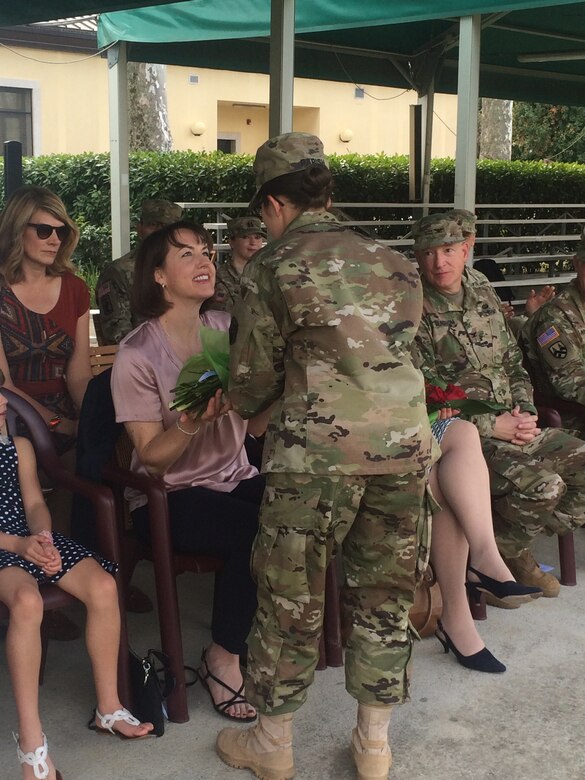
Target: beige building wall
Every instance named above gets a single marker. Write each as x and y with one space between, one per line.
235 105
70 108
70 98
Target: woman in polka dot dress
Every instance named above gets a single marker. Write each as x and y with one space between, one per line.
30 555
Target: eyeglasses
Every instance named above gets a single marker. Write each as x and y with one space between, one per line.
258 211
45 231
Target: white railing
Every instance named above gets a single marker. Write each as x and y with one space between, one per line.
545 241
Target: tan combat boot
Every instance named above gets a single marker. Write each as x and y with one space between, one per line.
369 743
265 748
528 572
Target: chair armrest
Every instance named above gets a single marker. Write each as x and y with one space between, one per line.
100 496
104 507
158 509
548 417
560 404
45 451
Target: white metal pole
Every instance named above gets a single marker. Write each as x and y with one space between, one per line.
119 163
467 99
282 57
427 102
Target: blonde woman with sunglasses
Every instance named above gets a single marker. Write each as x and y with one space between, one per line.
44 328
44 310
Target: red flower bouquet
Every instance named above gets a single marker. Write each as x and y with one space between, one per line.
441 395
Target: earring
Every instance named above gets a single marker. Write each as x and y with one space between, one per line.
163 285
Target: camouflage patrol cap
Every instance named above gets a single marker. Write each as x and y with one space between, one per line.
436 230
160 212
245 226
286 154
466 219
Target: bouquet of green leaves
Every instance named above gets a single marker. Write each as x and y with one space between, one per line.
203 374
441 395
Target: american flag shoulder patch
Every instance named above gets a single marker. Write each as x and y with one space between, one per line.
549 335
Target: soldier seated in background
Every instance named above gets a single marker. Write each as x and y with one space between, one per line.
554 342
489 268
537 479
245 236
115 281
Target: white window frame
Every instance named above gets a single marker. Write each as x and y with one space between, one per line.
35 89
237 137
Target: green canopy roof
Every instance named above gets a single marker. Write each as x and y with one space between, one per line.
373 42
12 12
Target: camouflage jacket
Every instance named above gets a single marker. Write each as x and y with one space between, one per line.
113 298
227 287
324 329
554 340
472 345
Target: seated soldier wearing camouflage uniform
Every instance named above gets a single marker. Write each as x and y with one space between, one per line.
537 478
490 269
554 340
245 235
115 281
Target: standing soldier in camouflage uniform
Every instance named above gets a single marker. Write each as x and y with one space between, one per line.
537 478
115 281
554 340
245 235
324 333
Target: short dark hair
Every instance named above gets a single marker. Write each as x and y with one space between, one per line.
147 297
306 189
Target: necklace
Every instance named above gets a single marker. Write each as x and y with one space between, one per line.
184 345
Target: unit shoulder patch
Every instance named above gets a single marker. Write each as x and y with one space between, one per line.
558 350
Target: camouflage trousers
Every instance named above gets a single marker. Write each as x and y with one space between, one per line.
382 526
535 488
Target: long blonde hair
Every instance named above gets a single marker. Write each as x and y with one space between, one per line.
18 212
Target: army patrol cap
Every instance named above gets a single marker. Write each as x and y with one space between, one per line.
245 226
284 154
437 230
466 219
160 212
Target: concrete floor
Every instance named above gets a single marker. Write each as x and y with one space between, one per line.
525 724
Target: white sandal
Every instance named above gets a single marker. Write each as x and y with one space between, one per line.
36 758
107 722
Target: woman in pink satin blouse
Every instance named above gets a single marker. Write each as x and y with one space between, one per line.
213 492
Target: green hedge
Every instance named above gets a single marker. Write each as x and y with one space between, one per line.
82 181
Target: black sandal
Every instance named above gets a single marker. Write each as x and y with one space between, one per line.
237 696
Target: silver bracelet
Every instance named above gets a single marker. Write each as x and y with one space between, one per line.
187 433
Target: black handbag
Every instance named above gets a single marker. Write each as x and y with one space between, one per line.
152 681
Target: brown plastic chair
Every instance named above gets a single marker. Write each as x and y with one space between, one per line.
105 513
550 415
168 564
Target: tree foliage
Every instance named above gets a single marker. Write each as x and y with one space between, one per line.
544 132
83 182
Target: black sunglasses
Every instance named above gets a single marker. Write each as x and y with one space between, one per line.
44 231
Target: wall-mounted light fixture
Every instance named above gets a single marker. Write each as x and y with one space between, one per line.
198 128
346 135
